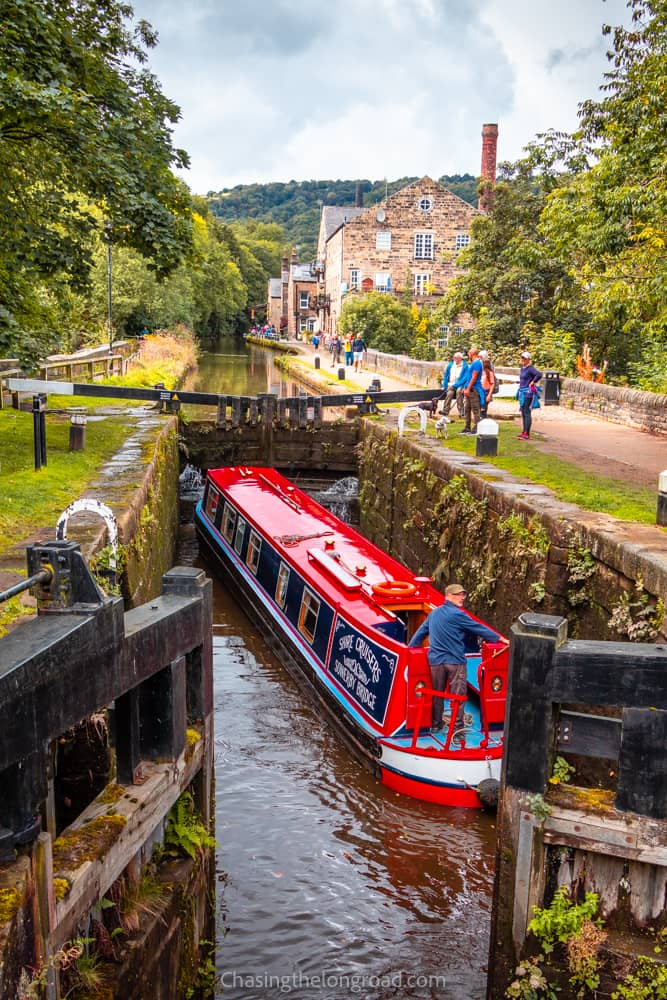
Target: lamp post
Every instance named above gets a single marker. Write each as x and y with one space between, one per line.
107 230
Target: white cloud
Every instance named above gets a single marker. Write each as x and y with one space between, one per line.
370 88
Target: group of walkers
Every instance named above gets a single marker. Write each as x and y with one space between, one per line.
352 347
471 384
267 330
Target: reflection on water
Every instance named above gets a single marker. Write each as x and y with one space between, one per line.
235 368
331 885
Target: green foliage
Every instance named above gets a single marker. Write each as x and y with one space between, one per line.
562 771
86 137
639 620
530 982
575 925
539 808
185 831
510 283
649 982
384 323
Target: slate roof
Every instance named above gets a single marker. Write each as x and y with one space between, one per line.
333 217
302 272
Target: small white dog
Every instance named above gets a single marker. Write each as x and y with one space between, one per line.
441 425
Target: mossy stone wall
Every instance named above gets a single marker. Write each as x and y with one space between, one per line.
513 545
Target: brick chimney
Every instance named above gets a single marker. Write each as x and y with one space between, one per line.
488 171
359 195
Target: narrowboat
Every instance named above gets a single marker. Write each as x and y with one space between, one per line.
341 612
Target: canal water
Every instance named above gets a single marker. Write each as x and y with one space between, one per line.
329 885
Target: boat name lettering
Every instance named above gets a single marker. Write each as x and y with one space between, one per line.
367 654
355 667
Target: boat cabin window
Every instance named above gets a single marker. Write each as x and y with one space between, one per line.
254 548
281 585
310 608
212 502
228 521
240 534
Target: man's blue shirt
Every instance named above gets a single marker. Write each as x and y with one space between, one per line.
447 626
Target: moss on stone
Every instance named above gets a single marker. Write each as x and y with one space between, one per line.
89 843
61 888
10 900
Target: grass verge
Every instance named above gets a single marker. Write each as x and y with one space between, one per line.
568 482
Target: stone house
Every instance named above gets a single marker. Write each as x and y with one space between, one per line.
407 243
274 302
301 296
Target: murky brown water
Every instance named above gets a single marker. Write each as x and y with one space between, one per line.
330 885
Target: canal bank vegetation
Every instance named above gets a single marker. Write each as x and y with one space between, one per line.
569 482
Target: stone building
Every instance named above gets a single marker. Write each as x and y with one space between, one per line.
274 302
301 297
408 242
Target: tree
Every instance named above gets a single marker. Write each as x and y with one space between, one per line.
384 323
607 224
511 277
83 123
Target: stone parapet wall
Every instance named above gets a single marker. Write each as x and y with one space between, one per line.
514 545
632 407
426 373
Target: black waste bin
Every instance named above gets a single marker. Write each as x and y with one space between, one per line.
551 388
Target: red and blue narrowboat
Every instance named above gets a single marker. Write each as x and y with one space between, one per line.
341 612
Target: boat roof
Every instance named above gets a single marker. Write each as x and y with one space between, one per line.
337 561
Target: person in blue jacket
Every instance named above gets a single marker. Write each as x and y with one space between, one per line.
528 393
447 627
453 381
473 393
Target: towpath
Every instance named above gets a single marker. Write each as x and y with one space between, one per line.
598 446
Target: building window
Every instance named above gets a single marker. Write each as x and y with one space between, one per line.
254 549
462 240
212 502
355 278
240 532
228 522
310 608
424 246
443 337
424 204
310 324
382 281
383 240
303 300
458 330
422 282
303 325
281 585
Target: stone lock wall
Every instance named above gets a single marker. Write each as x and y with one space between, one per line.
513 545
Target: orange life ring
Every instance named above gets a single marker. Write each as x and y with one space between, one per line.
394 588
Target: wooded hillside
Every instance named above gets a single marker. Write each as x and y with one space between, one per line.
295 205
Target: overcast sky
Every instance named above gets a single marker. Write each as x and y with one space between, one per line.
275 90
